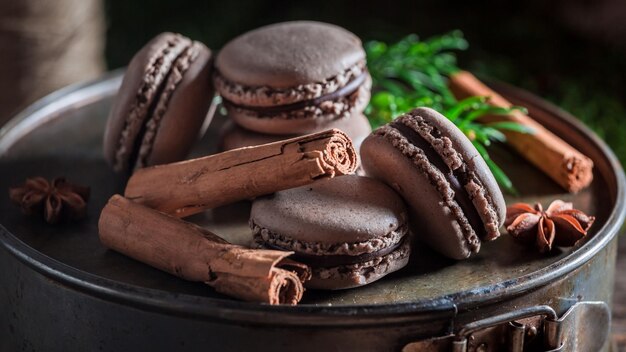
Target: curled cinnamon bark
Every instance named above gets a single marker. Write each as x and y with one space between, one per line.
556 158
188 187
193 253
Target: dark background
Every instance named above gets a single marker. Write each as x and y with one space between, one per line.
570 52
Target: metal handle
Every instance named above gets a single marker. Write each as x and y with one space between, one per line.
460 343
584 327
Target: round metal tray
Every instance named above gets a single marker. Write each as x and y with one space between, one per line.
61 135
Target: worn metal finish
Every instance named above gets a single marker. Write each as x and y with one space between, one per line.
61 290
583 328
517 334
522 313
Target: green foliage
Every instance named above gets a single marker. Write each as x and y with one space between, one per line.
600 111
413 73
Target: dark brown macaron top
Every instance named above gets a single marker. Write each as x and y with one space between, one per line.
161 105
302 70
352 230
454 200
289 54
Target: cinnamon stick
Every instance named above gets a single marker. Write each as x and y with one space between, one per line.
556 158
193 253
188 187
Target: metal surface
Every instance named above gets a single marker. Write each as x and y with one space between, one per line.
583 328
522 313
517 333
53 272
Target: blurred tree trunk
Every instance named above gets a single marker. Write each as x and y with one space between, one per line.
47 45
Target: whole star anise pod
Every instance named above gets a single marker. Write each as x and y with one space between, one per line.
559 225
54 200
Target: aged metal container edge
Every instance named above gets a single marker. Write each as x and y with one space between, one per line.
207 308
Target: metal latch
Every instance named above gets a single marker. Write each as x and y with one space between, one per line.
583 328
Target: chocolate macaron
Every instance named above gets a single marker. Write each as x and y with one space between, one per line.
233 136
292 77
351 230
162 104
453 198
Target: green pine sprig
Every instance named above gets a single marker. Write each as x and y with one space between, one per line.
413 73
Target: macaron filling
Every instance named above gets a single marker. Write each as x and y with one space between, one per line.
331 254
456 178
325 261
353 275
159 106
146 99
344 91
263 235
269 95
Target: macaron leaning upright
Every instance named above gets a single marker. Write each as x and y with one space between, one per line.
292 77
161 105
351 230
454 200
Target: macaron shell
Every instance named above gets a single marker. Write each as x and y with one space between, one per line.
344 209
473 162
431 221
186 111
291 123
289 54
127 96
357 127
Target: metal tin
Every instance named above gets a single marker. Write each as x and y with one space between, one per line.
61 290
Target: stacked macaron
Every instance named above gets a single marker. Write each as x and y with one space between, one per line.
351 230
290 79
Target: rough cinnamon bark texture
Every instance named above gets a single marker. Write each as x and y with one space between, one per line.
188 187
192 253
559 160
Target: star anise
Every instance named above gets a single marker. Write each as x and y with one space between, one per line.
54 200
559 225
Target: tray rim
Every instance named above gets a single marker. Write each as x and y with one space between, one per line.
231 310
